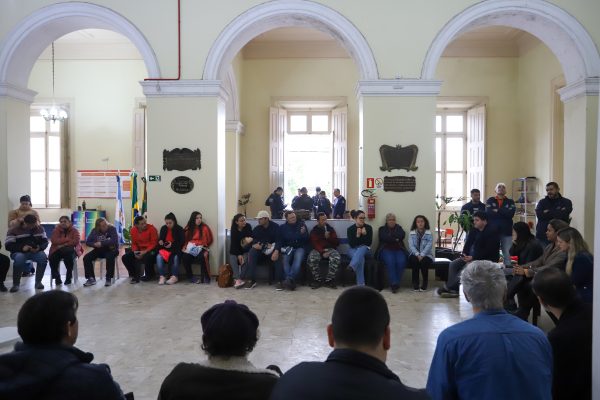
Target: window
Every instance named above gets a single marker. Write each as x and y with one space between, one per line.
46 160
309 122
450 154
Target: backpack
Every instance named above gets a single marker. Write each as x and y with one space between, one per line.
225 276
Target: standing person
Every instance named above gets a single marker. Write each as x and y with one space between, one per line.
295 198
360 238
420 245
501 210
323 205
170 242
324 241
303 202
493 355
239 245
46 364
197 233
275 202
339 205
553 206
580 262
392 250
144 244
104 241
316 198
4 266
571 339
292 238
27 242
360 335
65 246
15 218
473 206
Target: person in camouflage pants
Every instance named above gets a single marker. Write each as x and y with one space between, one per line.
324 241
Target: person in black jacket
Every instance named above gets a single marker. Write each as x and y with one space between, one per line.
339 204
170 242
46 365
525 247
275 202
303 202
323 205
4 266
571 340
553 206
501 210
359 333
392 250
483 243
239 245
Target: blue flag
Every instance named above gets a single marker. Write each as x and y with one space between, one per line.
119 212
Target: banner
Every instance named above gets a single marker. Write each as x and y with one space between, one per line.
119 212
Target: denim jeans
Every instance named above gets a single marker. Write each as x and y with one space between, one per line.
161 264
395 261
505 245
454 270
357 262
235 265
292 263
20 264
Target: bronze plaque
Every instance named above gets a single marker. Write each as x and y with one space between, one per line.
399 183
182 185
398 157
181 159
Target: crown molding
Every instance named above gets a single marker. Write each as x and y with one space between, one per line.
235 127
185 88
398 87
17 92
583 87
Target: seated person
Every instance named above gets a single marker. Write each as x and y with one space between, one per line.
15 218
360 335
580 262
197 234
241 237
292 239
4 266
65 246
229 334
493 355
392 251
324 241
483 243
264 239
170 242
360 238
27 242
420 244
46 365
571 339
104 241
144 244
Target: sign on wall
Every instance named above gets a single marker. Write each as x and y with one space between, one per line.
102 183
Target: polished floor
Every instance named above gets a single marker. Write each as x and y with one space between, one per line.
142 331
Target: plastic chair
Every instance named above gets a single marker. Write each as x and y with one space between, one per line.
102 262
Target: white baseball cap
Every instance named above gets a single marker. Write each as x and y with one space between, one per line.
263 214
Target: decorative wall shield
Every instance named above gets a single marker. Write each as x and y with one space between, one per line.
398 157
182 185
181 159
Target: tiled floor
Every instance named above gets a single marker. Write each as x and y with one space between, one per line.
143 330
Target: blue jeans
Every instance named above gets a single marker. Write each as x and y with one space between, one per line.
357 262
292 263
21 263
161 264
395 261
505 245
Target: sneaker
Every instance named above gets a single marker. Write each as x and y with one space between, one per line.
279 286
450 294
423 289
394 288
26 274
133 281
206 280
2 287
331 284
291 285
68 281
14 289
108 282
193 280
172 280
161 280
58 281
239 284
145 278
315 284
250 285
416 289
90 282
39 286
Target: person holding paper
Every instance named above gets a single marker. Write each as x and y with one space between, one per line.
198 238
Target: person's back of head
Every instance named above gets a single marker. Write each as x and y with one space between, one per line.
229 329
484 285
553 287
49 318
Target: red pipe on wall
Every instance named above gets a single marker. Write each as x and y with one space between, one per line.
178 49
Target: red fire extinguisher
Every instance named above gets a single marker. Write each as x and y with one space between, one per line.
371 207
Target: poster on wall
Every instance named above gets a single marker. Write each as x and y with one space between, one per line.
102 183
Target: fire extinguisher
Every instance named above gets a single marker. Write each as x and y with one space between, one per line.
371 207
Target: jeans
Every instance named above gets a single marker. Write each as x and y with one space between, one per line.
20 264
254 256
236 266
292 263
454 270
161 264
395 261
505 245
357 262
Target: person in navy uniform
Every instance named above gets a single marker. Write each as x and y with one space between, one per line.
553 206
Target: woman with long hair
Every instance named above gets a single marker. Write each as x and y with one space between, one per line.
392 251
170 240
197 234
420 245
525 246
239 245
360 238
580 262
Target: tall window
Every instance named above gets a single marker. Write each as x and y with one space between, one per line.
46 162
450 154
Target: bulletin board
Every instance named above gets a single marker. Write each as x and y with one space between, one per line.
102 183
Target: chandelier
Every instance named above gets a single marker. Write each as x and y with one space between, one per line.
54 113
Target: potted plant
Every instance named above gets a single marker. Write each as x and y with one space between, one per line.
464 222
243 201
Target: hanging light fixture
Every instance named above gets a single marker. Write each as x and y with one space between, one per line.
54 113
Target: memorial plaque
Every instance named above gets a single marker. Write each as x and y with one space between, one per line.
182 185
399 183
181 159
398 157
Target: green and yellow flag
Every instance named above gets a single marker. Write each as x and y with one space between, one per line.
135 208
144 198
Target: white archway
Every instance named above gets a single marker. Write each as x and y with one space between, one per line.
287 13
23 44
561 32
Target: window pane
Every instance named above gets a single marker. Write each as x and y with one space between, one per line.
53 152
454 123
54 126
54 188
438 123
38 188
298 123
320 123
38 153
438 154
37 124
454 154
438 184
454 185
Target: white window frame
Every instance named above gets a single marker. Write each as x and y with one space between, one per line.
444 135
309 114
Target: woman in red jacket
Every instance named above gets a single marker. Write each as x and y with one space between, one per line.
198 238
65 246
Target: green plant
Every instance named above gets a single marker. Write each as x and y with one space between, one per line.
243 201
440 204
464 222
127 236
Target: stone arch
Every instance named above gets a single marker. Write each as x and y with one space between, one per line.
286 13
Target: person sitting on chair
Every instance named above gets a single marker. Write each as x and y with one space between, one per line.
198 238
324 241
292 238
104 241
4 266
360 238
144 244
65 246
15 218
420 244
392 250
170 241
241 237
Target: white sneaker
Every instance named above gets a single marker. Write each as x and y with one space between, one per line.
239 284
161 280
172 280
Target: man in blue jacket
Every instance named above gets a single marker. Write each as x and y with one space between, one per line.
501 210
339 204
553 206
275 202
292 240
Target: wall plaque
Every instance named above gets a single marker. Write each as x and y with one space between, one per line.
398 157
181 159
182 185
399 183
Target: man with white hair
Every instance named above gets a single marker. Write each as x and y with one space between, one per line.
501 210
493 355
